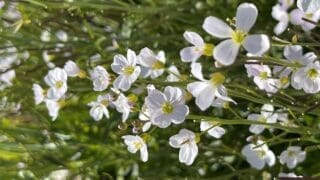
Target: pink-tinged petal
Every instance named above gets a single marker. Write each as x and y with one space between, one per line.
296 17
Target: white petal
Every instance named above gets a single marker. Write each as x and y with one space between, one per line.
257 44
246 16
193 38
122 83
188 153
226 52
179 114
196 88
217 132
296 17
119 61
280 27
293 52
196 71
190 54
308 6
216 27
131 57
256 129
270 158
144 153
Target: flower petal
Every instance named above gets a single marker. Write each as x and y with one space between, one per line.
226 52
257 44
193 38
190 54
246 16
216 27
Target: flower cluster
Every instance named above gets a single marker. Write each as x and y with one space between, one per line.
133 86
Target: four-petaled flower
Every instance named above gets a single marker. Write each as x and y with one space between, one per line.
99 107
226 51
136 143
199 48
292 156
57 80
127 69
187 142
258 155
167 107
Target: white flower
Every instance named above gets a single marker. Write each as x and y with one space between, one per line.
61 174
307 78
206 91
199 48
57 80
62 35
45 36
100 78
72 69
308 6
144 115
288 175
292 156
226 51
186 141
212 128
279 13
123 106
7 78
39 93
127 70
295 55
166 108
99 107
258 155
53 108
262 77
267 115
136 143
286 4
297 15
174 75
151 64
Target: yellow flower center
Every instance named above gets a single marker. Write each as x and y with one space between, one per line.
82 74
62 103
263 75
128 70
138 145
167 108
158 65
312 73
291 153
208 49
59 84
261 154
284 80
132 98
238 36
262 119
105 102
308 16
217 79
